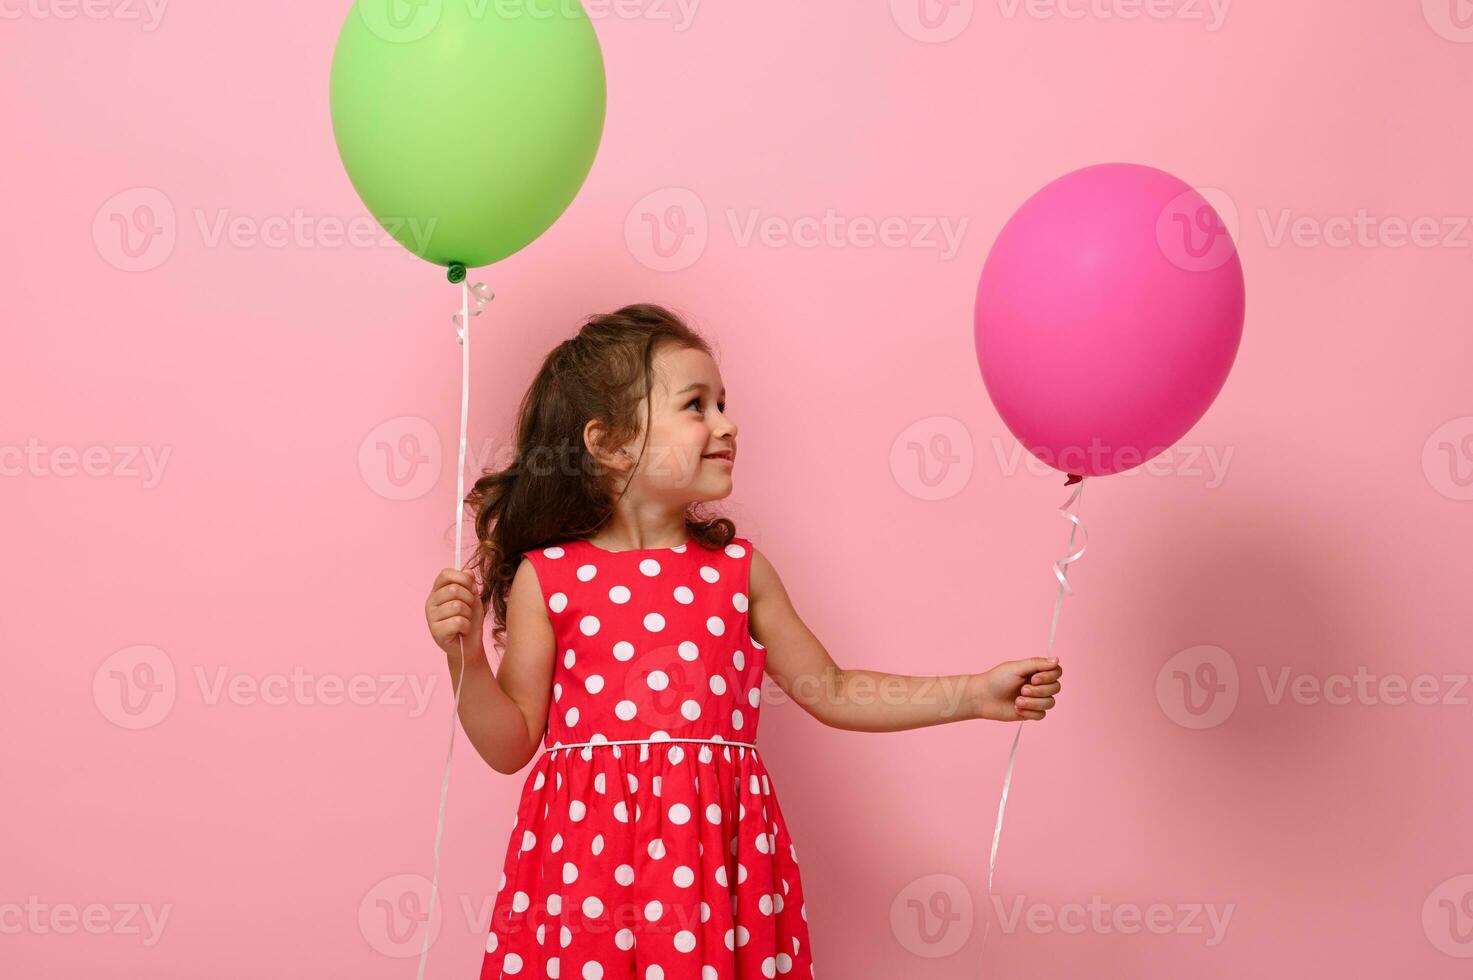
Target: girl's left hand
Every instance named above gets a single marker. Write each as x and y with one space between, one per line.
1016 690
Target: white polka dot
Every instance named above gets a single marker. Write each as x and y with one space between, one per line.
520 902
594 683
739 660
684 595
742 935
688 650
684 876
572 716
735 550
710 574
739 600
619 594
565 936
625 710
653 910
679 814
624 874
529 840
655 972
685 940
690 709
675 754
654 622
592 907
586 572
557 691
569 658
718 684
736 718
598 842
577 810
728 939
713 812
553 552
764 904
769 966
656 848
754 697
624 939
554 968
557 843
784 962
721 876
649 567
621 812
716 626
491 943
658 680
593 970
763 844
660 735
557 602
589 625
623 650
512 963
570 872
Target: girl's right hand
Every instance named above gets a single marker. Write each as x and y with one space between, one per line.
454 611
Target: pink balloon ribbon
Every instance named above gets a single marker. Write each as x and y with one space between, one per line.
1059 572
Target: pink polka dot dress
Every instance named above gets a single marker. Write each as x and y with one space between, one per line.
648 842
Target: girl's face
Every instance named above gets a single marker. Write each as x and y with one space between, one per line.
688 424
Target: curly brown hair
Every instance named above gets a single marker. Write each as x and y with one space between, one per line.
554 489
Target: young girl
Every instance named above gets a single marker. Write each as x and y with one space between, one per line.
648 842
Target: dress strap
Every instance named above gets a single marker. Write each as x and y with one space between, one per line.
647 741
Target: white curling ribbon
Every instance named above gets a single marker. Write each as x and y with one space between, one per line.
1060 570
482 295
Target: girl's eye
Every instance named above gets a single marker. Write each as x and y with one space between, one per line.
697 401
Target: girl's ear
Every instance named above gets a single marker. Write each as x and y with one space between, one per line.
595 434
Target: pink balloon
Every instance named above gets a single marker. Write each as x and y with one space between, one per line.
1108 314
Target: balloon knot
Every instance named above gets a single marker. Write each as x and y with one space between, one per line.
456 274
1073 479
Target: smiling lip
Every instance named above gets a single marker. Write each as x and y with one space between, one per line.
725 457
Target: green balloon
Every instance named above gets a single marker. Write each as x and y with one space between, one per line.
467 126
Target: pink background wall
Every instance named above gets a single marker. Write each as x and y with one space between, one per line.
229 451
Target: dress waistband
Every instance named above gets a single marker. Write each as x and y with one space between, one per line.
647 741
